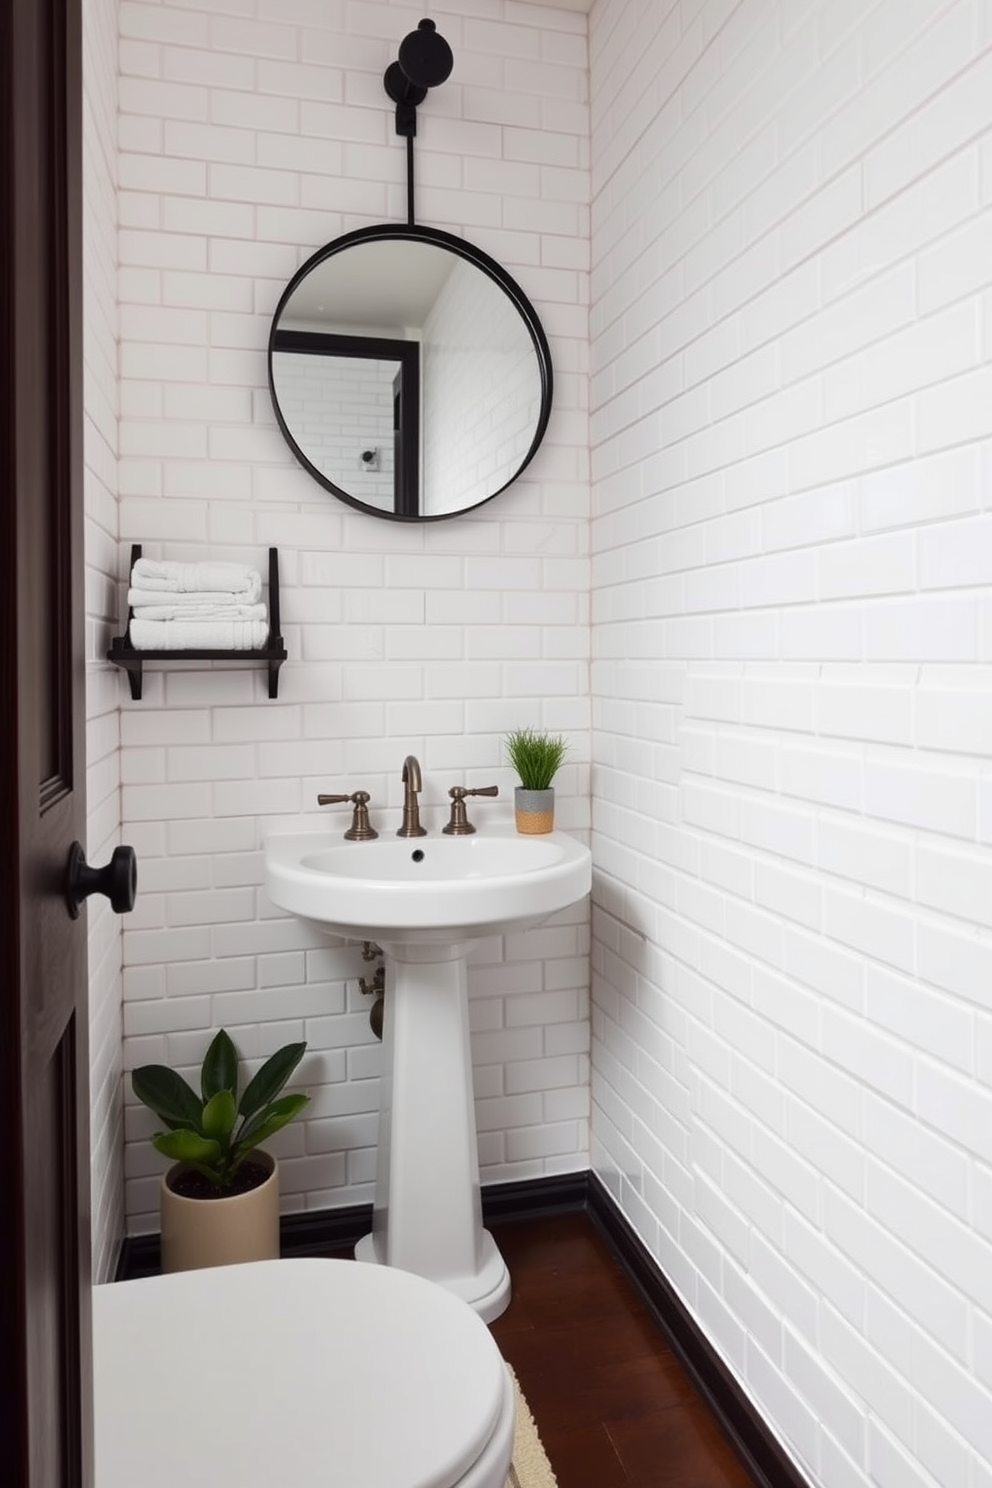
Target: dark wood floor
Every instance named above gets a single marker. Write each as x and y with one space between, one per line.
613 1405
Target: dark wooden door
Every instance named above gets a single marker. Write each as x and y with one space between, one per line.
45 1442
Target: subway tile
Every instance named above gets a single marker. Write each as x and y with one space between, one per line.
167 101
160 179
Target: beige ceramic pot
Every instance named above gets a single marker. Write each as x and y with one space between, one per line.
221 1232
534 810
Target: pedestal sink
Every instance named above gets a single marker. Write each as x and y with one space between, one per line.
425 901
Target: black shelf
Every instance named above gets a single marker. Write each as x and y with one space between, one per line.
123 654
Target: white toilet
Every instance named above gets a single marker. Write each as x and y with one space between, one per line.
317 1373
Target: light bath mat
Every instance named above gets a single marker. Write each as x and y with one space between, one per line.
530 1467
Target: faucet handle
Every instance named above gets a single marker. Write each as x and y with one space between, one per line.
459 824
361 829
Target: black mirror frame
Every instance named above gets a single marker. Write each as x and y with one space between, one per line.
413 233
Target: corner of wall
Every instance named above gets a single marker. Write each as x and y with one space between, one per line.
100 453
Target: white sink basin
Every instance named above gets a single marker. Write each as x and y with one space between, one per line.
426 889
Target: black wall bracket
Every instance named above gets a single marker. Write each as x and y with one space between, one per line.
425 60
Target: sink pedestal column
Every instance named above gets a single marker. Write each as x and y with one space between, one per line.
428 1210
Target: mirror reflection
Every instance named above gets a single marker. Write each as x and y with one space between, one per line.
409 373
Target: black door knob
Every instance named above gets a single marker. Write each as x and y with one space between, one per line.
118 879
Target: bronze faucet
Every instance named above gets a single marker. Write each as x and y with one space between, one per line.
459 824
411 806
361 829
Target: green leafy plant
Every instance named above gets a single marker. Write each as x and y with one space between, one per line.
535 756
213 1132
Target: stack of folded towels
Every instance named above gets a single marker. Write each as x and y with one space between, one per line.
196 607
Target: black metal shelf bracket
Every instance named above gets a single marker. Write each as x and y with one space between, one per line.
273 653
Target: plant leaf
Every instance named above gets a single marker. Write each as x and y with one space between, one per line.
535 756
186 1146
219 1116
272 1119
220 1066
168 1095
270 1079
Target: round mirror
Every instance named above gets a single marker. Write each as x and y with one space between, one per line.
409 373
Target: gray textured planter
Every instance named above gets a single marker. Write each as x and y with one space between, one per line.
534 810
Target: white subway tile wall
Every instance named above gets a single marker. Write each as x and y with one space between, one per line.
791 413
248 137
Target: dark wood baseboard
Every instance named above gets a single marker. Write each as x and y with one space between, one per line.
327 1230
319 1231
565 1193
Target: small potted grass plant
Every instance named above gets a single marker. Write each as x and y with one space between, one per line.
220 1199
535 756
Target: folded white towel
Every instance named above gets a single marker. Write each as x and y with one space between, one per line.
147 605
196 635
193 578
137 595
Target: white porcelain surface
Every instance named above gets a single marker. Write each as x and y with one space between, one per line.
428 1210
424 900
432 888
319 1371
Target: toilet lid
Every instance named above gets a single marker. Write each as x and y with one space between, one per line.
315 1372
